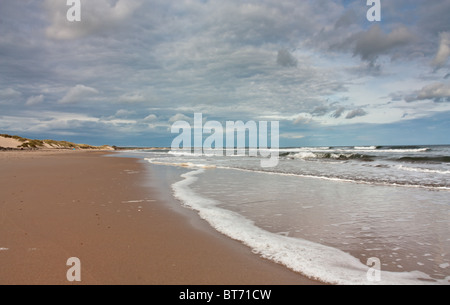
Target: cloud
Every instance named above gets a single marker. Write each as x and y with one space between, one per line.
374 42
285 59
438 92
44 121
320 110
35 100
302 119
348 18
124 113
8 95
179 117
443 52
77 93
292 135
98 16
355 113
132 98
150 118
338 113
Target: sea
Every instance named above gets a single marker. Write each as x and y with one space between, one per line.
340 215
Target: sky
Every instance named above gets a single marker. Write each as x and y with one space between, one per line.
129 69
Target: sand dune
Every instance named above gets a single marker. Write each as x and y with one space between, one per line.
16 142
9 142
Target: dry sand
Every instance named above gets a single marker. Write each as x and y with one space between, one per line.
61 204
9 142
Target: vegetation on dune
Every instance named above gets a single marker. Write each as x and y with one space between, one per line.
36 144
32 144
13 137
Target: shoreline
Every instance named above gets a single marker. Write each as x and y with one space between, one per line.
61 204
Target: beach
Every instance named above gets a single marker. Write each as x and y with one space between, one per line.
55 205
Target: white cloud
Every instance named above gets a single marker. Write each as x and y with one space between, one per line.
179 117
444 50
124 113
44 121
77 93
35 100
150 118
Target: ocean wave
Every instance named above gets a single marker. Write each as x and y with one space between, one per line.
359 149
380 150
423 170
366 147
346 179
333 156
402 147
424 159
380 182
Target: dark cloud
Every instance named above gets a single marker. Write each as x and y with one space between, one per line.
366 69
370 44
396 96
338 112
285 59
320 110
433 16
348 18
355 113
438 92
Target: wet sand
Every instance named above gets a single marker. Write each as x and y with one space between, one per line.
60 204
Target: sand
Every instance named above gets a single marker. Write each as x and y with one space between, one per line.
9 142
56 205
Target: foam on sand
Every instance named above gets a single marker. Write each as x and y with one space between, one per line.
314 260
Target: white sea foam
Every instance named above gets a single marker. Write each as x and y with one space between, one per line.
365 147
314 260
305 155
181 164
423 170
